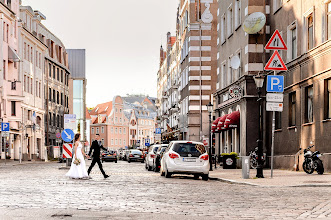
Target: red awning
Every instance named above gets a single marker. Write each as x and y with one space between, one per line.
232 120
220 125
214 125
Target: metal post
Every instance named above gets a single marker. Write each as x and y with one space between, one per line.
273 140
210 152
259 173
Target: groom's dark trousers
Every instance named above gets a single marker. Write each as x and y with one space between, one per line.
95 148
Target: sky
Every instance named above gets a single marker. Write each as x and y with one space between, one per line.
122 40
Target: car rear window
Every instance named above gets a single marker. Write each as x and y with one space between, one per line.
163 149
136 152
155 149
189 149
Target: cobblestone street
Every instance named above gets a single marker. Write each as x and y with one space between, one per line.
41 191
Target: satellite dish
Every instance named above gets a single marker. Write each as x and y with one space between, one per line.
235 62
254 23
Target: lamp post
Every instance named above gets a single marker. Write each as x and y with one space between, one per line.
210 110
259 79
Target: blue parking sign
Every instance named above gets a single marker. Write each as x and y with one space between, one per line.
4 126
275 84
157 130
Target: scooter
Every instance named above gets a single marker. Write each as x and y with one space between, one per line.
312 161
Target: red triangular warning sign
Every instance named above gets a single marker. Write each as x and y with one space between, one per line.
276 42
275 62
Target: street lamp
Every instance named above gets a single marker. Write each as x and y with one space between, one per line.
259 79
210 110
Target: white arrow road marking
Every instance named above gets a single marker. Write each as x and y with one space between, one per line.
68 136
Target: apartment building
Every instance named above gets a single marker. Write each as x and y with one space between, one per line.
305 120
187 73
56 86
32 51
10 82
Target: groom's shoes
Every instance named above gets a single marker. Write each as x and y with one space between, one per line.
106 176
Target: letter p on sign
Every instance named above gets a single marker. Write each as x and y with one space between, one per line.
275 84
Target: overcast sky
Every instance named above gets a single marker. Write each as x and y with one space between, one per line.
122 40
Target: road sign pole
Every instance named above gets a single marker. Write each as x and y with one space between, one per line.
273 140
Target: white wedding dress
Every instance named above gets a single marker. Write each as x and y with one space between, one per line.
78 171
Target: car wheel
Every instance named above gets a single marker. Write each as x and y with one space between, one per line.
146 166
196 176
205 177
167 174
115 161
129 161
103 161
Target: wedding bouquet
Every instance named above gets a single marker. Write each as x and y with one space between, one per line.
77 161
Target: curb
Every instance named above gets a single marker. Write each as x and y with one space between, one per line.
257 185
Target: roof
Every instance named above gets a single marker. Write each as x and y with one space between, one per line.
172 40
104 108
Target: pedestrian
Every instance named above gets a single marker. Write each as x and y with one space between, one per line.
78 167
95 147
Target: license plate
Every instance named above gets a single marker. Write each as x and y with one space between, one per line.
189 159
108 155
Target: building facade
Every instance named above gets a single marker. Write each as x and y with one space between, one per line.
56 85
77 90
10 82
305 120
187 74
32 51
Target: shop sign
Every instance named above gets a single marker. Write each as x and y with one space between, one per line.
235 91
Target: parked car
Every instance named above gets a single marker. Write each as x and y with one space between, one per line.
185 157
158 157
150 156
135 155
109 156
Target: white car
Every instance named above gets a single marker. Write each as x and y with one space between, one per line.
185 157
150 156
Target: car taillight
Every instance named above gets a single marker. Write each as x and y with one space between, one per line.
152 156
142 156
130 155
173 155
114 154
204 157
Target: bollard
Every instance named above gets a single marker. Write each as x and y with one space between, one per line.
245 167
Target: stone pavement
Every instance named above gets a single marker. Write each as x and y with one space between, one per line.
281 178
41 191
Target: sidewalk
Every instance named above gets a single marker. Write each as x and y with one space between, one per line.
15 163
281 178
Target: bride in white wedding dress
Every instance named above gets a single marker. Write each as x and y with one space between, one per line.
78 171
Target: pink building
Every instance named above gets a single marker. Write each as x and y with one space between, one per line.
110 121
10 82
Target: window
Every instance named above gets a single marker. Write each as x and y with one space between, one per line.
112 141
54 72
13 108
50 94
237 13
97 130
112 130
39 90
328 15
230 72
116 110
120 120
223 20
124 142
61 75
124 131
54 120
102 141
115 130
223 74
92 130
24 50
50 70
58 74
102 130
31 55
4 69
230 21
61 98
292 41
292 109
310 22
50 118
277 4
54 100
58 121
13 85
328 98
36 89
120 130
309 102
278 120
115 141
116 119
58 97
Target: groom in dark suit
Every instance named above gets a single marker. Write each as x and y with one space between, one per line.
95 147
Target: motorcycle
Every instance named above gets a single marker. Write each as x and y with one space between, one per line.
254 157
312 161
